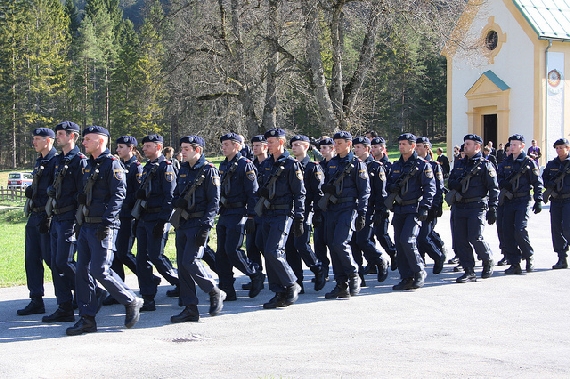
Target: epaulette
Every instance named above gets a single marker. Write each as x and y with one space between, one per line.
81 155
168 162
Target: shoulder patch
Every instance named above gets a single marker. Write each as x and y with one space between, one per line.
216 181
169 176
428 173
251 175
535 171
439 176
118 173
82 156
492 172
139 176
363 174
299 174
382 175
318 174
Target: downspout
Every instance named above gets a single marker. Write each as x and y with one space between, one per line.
546 98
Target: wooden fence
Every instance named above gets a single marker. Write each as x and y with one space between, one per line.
12 194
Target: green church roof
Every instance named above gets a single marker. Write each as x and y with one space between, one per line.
550 19
495 79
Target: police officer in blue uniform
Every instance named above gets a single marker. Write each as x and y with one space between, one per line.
153 208
426 244
100 202
474 180
282 203
364 241
237 202
413 183
344 204
62 204
298 248
37 228
382 215
196 203
517 175
556 177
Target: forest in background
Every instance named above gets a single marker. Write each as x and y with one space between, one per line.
181 67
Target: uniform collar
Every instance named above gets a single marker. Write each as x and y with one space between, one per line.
199 163
49 155
413 157
282 157
100 158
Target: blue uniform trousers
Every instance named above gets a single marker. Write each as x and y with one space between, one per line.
406 230
338 232
560 226
275 231
426 244
150 250
123 244
299 250
468 227
363 242
320 246
94 259
381 232
191 270
230 232
516 240
37 252
254 243
62 262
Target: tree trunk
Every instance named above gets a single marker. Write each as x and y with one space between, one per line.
269 118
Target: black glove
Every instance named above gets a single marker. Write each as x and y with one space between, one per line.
508 186
328 188
103 232
29 192
44 226
141 194
81 198
394 188
438 211
201 236
423 214
537 207
298 229
250 225
181 203
491 215
158 229
51 192
360 222
263 192
317 220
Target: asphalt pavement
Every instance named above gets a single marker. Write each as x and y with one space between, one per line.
505 326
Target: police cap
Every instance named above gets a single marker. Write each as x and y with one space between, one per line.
299 137
378 141
153 138
462 148
361 141
423 141
96 130
326 142
343 135
127 140
67 125
516 137
276 132
43 132
231 137
561 141
407 137
193 140
473 137
259 138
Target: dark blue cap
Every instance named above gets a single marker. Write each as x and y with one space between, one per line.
193 140
259 138
152 138
274 133
343 135
96 130
561 141
299 137
361 140
43 132
407 137
231 137
473 137
516 137
378 141
67 125
127 140
462 148
507 145
423 140
326 142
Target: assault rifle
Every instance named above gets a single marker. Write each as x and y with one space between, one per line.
513 178
189 197
453 195
226 183
140 204
335 181
401 182
553 191
52 201
263 202
82 210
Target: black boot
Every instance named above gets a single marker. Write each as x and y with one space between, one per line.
189 314
562 263
405 284
530 264
438 265
256 284
514 270
63 313
488 267
382 270
354 284
35 307
393 260
175 292
468 276
149 304
132 312
217 298
320 277
86 324
340 291
419 278
292 294
101 296
277 301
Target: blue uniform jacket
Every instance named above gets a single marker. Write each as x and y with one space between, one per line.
207 195
313 178
482 184
531 178
162 185
387 164
377 174
439 183
109 189
551 172
133 172
421 187
73 165
43 174
355 185
289 187
238 189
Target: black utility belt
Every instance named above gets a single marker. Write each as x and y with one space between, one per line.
240 204
152 210
344 200
409 202
560 197
193 215
520 194
93 220
471 200
59 211
278 206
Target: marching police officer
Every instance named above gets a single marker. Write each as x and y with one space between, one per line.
37 227
152 209
517 175
237 203
474 194
344 204
68 177
556 178
281 203
196 203
100 202
412 185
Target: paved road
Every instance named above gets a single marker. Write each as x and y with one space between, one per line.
506 326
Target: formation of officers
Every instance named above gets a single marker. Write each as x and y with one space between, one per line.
97 206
